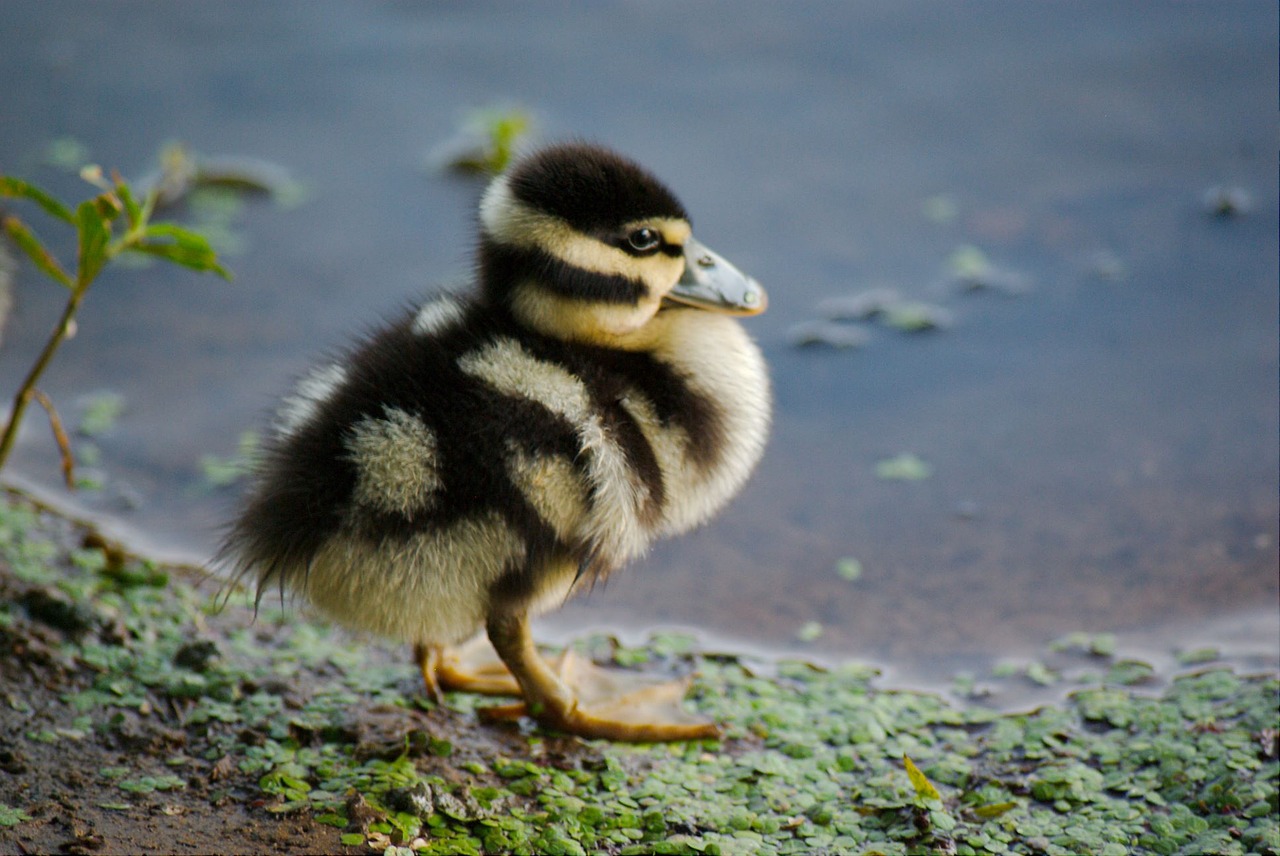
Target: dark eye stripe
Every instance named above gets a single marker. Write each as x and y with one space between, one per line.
505 267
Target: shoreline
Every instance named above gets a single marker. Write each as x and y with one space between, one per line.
129 698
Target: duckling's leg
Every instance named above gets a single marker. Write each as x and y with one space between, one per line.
428 659
648 714
464 669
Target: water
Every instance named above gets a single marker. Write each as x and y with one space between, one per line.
1103 448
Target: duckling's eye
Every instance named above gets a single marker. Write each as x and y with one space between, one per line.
644 240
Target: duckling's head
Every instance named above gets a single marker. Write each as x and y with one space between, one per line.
581 244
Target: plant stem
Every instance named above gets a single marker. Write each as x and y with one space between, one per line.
28 388
59 435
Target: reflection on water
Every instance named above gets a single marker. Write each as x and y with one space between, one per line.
1102 448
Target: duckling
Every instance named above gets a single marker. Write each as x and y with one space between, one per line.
487 455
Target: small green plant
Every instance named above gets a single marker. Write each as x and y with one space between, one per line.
485 143
107 225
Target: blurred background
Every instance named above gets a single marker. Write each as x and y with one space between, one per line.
1062 419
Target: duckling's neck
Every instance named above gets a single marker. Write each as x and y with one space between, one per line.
609 325
722 365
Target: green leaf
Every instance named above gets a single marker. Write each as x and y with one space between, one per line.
1130 673
95 231
40 257
180 245
179 235
12 816
189 257
924 788
994 809
131 206
19 188
352 839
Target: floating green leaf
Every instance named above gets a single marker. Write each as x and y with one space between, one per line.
915 317
849 569
925 791
810 631
102 411
148 784
968 262
219 472
993 810
904 467
1198 656
1130 673
66 153
486 141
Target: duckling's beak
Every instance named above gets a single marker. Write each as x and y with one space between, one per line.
710 282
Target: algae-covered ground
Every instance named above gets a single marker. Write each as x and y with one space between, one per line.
137 716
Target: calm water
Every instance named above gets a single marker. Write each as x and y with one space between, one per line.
1103 448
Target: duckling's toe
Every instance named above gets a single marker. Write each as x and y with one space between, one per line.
613 705
620 705
473 667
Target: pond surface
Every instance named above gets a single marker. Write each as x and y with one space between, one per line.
1101 444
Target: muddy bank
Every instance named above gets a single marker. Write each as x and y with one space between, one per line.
139 717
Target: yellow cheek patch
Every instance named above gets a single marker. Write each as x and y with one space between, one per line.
674 231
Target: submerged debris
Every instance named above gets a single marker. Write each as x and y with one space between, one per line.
829 333
1107 266
182 172
1227 201
970 270
838 327
916 317
941 208
860 306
